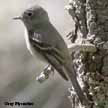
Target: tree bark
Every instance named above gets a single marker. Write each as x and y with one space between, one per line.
91 27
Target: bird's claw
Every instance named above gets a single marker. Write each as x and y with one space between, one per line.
44 75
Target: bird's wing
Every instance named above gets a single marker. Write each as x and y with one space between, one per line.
51 53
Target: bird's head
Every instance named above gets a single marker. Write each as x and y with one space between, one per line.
34 16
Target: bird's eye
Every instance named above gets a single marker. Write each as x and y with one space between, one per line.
29 14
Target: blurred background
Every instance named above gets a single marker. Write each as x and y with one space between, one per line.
18 69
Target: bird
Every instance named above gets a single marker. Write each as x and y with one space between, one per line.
44 41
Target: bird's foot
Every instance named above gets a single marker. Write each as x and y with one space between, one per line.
44 75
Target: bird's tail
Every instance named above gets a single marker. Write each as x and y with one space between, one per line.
72 76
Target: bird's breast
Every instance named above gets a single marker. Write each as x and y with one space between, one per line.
32 50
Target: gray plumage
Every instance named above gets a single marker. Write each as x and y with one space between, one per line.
44 40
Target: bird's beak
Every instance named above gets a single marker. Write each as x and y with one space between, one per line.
17 18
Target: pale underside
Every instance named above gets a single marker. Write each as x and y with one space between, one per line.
33 51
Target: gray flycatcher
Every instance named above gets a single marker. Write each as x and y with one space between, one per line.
44 41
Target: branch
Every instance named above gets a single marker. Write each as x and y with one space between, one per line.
44 75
